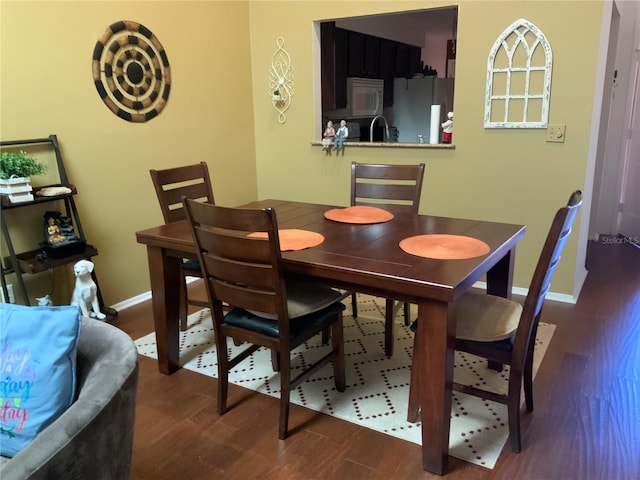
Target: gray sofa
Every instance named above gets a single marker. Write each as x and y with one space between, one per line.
93 439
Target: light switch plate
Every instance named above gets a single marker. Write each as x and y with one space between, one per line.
555 133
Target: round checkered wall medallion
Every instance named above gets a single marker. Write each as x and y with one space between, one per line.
131 71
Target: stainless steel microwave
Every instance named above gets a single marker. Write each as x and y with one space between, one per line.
364 97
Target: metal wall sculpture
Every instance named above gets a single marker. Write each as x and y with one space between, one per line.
281 80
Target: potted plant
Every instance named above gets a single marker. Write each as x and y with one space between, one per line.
276 95
16 169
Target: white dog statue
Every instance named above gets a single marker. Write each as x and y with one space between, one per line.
44 301
84 295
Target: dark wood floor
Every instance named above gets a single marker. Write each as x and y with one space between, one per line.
586 422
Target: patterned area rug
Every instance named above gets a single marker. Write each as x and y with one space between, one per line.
377 387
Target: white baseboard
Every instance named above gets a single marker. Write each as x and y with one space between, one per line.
558 297
130 302
143 297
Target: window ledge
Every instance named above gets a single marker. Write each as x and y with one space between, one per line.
391 145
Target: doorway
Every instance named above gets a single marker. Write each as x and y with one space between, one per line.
629 218
615 206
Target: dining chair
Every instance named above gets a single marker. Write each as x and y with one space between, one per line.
504 331
397 186
239 252
171 185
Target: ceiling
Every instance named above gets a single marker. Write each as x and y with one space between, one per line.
407 27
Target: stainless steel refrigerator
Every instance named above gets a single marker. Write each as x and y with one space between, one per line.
411 110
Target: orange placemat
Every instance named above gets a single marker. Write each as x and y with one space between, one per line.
359 214
444 247
294 239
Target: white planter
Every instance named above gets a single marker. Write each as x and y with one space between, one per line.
18 189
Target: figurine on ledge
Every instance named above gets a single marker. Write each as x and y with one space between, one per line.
447 129
341 135
329 135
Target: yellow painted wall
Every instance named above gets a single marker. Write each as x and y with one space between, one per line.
220 111
47 87
506 175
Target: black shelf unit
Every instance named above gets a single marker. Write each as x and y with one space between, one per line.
32 261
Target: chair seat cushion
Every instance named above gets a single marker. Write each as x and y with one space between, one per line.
304 298
38 365
191 265
505 345
486 318
241 318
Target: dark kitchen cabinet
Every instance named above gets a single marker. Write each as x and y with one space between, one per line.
364 56
387 69
353 54
356 55
402 61
415 64
407 60
334 50
372 56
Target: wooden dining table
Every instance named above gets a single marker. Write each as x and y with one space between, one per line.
364 258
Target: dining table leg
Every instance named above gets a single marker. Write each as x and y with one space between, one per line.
436 345
500 283
165 276
500 276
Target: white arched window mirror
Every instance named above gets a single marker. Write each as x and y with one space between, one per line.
518 78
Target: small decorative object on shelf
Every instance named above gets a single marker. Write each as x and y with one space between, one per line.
17 189
19 164
53 191
281 80
16 169
447 129
60 238
44 301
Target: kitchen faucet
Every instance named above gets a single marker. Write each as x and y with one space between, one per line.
386 127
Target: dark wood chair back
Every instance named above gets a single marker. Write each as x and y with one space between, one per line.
397 185
171 184
519 354
541 280
246 271
243 271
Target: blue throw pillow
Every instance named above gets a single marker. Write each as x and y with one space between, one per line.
37 370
